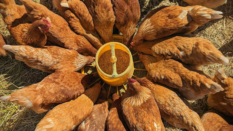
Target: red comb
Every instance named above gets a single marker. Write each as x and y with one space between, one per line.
131 80
132 44
47 22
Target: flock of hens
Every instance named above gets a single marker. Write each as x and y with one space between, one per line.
171 61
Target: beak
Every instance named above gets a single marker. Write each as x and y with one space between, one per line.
48 19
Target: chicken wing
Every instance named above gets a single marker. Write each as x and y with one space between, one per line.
214 122
96 120
194 51
174 19
50 58
173 74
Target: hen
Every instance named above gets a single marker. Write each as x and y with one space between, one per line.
75 23
194 51
207 3
50 58
115 120
84 17
59 32
23 32
140 110
96 120
222 101
127 14
32 34
173 74
12 13
172 107
58 87
214 122
66 116
2 43
172 20
103 17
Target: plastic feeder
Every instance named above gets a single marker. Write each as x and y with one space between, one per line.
115 79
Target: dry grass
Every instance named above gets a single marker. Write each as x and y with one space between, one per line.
15 74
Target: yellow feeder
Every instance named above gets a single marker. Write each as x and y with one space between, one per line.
115 79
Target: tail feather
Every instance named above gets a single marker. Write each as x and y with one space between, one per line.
5 98
203 14
220 75
21 100
44 125
11 48
225 61
66 5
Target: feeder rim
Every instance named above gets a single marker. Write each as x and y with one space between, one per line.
108 44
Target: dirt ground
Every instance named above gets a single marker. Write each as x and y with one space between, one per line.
15 75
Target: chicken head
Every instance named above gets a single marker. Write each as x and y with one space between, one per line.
140 110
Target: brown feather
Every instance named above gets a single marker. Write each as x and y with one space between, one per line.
96 120
75 23
60 32
103 17
173 109
194 51
68 115
127 14
213 122
222 101
58 87
207 3
115 120
50 58
2 43
173 20
140 109
173 74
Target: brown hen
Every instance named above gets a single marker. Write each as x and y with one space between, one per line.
127 14
173 74
140 110
60 32
103 17
66 116
75 23
222 101
2 43
50 58
172 20
58 87
207 3
85 19
12 13
172 107
194 51
22 31
96 120
115 120
214 122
